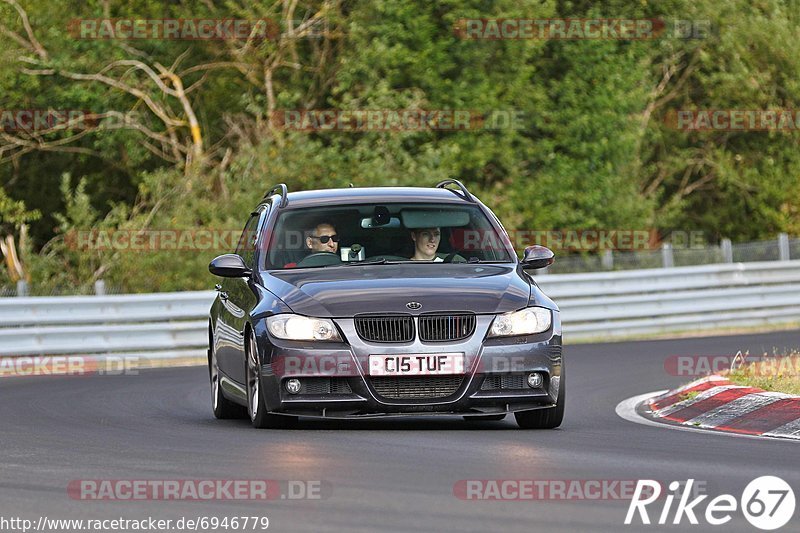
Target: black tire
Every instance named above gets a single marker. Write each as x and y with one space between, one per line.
483 418
547 418
223 408
256 406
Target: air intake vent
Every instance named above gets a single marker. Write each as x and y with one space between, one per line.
317 385
505 382
391 328
441 328
419 388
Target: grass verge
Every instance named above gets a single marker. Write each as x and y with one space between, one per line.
777 373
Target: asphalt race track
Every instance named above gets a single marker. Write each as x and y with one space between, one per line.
392 474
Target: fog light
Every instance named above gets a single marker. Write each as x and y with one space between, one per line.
293 386
535 380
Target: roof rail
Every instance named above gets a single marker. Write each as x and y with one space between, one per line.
283 191
464 192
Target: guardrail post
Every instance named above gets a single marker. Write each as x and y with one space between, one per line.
22 288
100 287
607 259
727 250
783 247
667 260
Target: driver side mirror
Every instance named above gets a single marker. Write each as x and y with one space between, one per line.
229 266
536 257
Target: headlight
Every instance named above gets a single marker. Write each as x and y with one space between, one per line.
524 322
302 328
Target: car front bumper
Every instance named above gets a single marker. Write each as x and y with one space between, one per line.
336 382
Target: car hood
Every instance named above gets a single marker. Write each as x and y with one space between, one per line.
349 290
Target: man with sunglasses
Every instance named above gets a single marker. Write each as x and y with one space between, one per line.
323 239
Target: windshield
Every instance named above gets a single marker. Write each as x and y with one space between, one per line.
382 234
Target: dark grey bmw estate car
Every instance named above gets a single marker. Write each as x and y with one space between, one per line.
382 301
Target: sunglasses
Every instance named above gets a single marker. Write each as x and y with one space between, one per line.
325 238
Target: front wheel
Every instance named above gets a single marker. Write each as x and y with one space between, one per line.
256 407
547 418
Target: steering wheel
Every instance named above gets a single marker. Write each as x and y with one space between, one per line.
319 259
450 257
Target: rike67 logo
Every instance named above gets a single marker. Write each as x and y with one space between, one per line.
767 502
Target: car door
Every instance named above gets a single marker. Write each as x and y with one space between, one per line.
237 300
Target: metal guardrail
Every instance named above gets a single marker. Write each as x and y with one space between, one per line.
128 308
160 325
603 305
630 303
685 249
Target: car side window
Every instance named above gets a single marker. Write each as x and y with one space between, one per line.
246 249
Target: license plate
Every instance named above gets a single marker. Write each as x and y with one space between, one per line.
416 365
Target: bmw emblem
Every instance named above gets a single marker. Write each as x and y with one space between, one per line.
414 305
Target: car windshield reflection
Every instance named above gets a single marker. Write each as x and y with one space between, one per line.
386 234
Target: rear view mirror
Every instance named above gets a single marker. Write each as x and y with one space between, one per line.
536 257
368 223
229 266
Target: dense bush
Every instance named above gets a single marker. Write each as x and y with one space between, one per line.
184 136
